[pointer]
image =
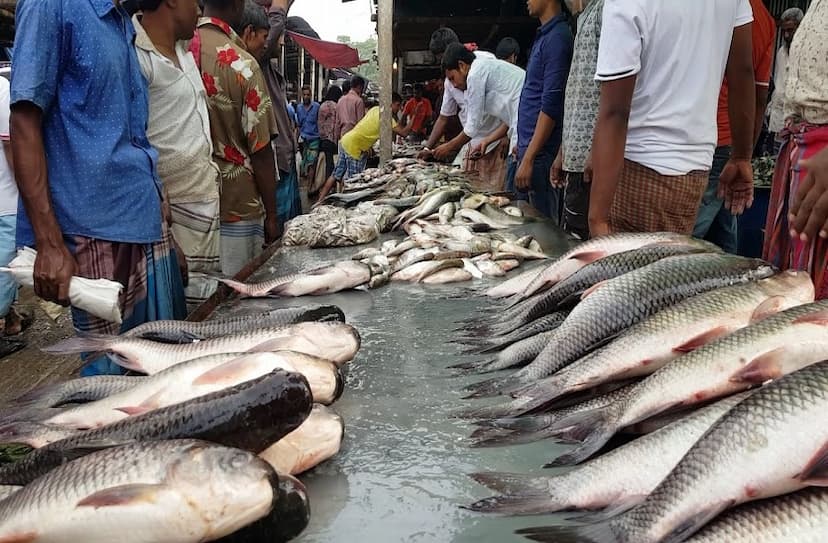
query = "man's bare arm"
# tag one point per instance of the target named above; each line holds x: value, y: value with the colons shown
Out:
x: 264, y: 175
x: 7, y: 150
x: 278, y: 23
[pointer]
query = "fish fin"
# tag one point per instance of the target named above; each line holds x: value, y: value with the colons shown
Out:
x: 817, y: 317
x: 86, y: 343
x: 511, y: 483
x: 702, y: 339
x: 134, y: 410
x: 572, y: 299
x: 276, y: 344
x: 499, y: 437
x: 816, y: 471
x: 121, y: 495
x: 694, y: 523
x: 529, y: 504
x: 769, y: 307
x: 591, y: 290
x: 79, y: 450
x: 761, y: 369
x: 173, y: 338
x: 588, y: 256
x: 485, y: 389
x: 592, y: 429
x: 230, y: 372
x: 593, y: 533
x: 616, y: 508
x: 20, y: 537
x: 241, y: 288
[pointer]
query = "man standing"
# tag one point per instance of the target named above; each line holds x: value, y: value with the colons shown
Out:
x: 86, y: 171
x: 417, y: 112
x: 540, y: 121
x: 10, y: 321
x: 508, y: 49
x: 351, y: 108
x: 788, y: 23
x: 179, y: 129
x: 715, y: 223
x: 308, y: 117
x: 242, y: 126
x: 572, y: 168
x: 656, y: 129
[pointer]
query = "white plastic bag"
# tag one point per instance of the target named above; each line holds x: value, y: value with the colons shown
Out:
x: 98, y: 297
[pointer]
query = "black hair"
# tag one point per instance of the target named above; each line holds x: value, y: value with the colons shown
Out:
x: 441, y: 39
x: 219, y: 4
x: 253, y: 15
x: 395, y: 97
x: 419, y: 87
x: 147, y: 5
x: 357, y: 82
x: 346, y: 86
x: 506, y: 48
x: 306, y: 87
x: 334, y: 94
x: 455, y: 53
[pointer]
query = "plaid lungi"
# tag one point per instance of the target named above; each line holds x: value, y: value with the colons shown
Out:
x: 349, y: 167
x: 491, y: 168
x: 153, y: 289
x: 241, y: 242
x: 800, y: 142
x: 196, y: 229
x: 646, y: 201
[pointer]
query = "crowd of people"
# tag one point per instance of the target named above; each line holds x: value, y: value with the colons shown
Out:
x: 158, y: 148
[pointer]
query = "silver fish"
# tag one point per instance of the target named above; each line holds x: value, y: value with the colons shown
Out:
x: 430, y: 204
x: 516, y: 284
x: 172, y: 492
x: 85, y: 389
x: 450, y: 275
x: 419, y: 271
x: 508, y: 264
x: 446, y: 212
x: 318, y: 439
x: 472, y: 215
x: 341, y: 276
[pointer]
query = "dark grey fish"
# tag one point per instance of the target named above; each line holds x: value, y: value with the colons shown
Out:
x: 517, y: 354
x: 498, y: 343
x: 85, y: 389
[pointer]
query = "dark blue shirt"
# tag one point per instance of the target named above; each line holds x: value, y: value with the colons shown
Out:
x: 545, y: 85
x: 77, y: 63
x: 308, y: 118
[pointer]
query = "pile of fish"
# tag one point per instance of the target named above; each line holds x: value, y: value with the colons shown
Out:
x: 329, y: 226
x: 204, y: 446
x: 714, y: 366
x: 452, y: 237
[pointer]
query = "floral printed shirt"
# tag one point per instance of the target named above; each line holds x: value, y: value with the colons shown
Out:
x: 241, y: 114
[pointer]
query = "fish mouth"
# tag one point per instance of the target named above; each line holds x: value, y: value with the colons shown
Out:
x: 340, y: 384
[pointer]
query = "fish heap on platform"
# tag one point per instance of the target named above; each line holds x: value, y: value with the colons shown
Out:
x: 202, y: 447
x: 713, y: 365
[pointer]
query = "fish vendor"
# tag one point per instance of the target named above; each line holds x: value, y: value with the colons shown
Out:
x: 355, y: 146
x: 308, y: 116
x: 797, y: 225
x: 242, y: 126
x: 179, y: 129
x: 11, y: 323
x: 651, y: 155
x: 91, y: 196
x: 351, y: 107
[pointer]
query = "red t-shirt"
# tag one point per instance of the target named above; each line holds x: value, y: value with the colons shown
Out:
x: 419, y: 111
x: 764, y: 38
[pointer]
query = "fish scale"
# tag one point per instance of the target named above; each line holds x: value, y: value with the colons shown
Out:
x: 626, y: 300
x: 765, y: 446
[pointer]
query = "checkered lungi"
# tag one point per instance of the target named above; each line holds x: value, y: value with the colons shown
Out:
x: 646, y: 201
x: 349, y: 167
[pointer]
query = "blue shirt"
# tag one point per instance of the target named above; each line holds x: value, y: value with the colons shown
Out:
x: 308, y: 119
x: 80, y: 68
x: 545, y: 85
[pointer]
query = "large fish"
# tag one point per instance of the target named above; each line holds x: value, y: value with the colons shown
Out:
x: 84, y: 389
x: 186, y: 331
x: 499, y: 342
x: 627, y: 300
x: 801, y: 517
x: 327, y: 280
x: 616, y: 481
x: 660, y: 339
x: 316, y: 440
x: 515, y: 355
x: 768, y: 349
x: 516, y: 284
x: 771, y: 443
x: 249, y: 416
x: 337, y: 342
x: 182, y: 491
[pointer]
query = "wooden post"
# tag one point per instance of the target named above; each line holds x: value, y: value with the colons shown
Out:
x: 386, y: 74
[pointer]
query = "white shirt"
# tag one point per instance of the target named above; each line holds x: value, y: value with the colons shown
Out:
x: 454, y: 103
x: 777, y: 105
x: 179, y: 122
x: 8, y: 187
x: 493, y: 89
x: 679, y: 50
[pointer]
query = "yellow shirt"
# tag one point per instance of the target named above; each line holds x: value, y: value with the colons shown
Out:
x: 364, y: 135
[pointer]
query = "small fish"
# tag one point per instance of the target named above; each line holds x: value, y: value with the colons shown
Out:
x: 513, y: 211
x: 474, y: 201
x: 451, y: 275
x: 472, y: 215
x: 315, y: 441
x: 490, y: 269
x: 366, y: 253
x: 446, y: 212
x: 341, y: 276
x: 508, y: 264
x: 419, y: 271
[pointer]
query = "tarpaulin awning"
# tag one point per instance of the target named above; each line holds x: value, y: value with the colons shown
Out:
x: 328, y: 54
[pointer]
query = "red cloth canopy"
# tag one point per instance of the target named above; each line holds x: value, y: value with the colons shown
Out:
x: 328, y: 54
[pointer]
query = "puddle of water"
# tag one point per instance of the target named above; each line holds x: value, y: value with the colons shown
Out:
x: 402, y: 473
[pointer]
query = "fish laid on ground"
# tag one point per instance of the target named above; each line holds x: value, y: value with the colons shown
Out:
x: 516, y: 284
x: 446, y: 212
x: 615, y: 481
x: 472, y: 215
x: 627, y: 300
x: 654, y: 342
x: 249, y: 416
x: 337, y: 342
x: 508, y: 264
x: 429, y: 204
x: 84, y: 389
x: 419, y: 271
x: 771, y: 443
x: 801, y: 517
x: 499, y: 342
x: 316, y: 440
x: 769, y: 349
x: 501, y: 217
x: 198, y: 377
x: 327, y: 280
x: 511, y: 251
x: 182, y: 491
x: 186, y: 331
x: 517, y: 354
x: 447, y: 276
x: 592, y: 250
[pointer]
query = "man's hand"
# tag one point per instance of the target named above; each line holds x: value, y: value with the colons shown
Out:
x: 588, y: 168
x: 809, y: 213
x: 556, y: 174
x: 598, y: 227
x: 272, y: 230
x: 182, y: 262
x: 736, y: 185
x: 523, y: 178
x: 53, y: 270
x: 426, y: 154
x: 443, y: 152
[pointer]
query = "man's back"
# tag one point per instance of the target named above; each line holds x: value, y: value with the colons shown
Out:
x: 349, y: 111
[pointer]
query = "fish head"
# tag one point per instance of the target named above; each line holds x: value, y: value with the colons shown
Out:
x: 229, y: 488
x: 796, y: 286
x: 291, y: 510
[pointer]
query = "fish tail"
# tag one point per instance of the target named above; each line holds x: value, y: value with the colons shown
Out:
x: 488, y: 388
x: 594, y: 533
x: 242, y: 288
x: 85, y: 343
x: 515, y: 505
x: 511, y: 483
x: 592, y: 429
